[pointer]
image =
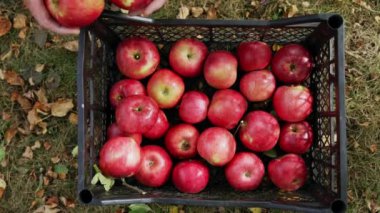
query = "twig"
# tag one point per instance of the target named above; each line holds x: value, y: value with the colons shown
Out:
x: 133, y: 187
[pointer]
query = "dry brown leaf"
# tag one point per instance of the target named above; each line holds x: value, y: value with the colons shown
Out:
x: 29, y: 95
x: 25, y: 103
x: 42, y: 109
x: 211, y: 13
x: 34, y: 204
x: 61, y: 107
x: 12, y: 78
x: 37, y: 145
x: 51, y: 174
x: 373, y: 148
x: 56, y: 38
x: 3, y: 186
x: 28, y: 153
x: 372, y: 206
x: 10, y: 134
x: 67, y: 202
x: 22, y: 33
x: 5, y: 116
x: 46, y: 181
x: 305, y: 4
x: 24, y: 131
x: 39, y: 67
x: 19, y: 21
x: 377, y: 19
x: 197, y: 11
x: 41, y: 96
x: 6, y: 55
x: 33, y: 118
x: 52, y: 201
x: 47, y: 146
x: 40, y: 193
x: 292, y: 10
x: 42, y: 128
x: 62, y: 176
x: 73, y: 118
x: 15, y: 49
x: 72, y: 46
x: 46, y: 209
x: 5, y: 25
x: 183, y: 12
x: 55, y: 159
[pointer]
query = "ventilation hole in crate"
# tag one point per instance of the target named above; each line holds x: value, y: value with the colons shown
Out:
x: 335, y: 21
x: 85, y: 196
x: 338, y: 206
x: 332, y: 97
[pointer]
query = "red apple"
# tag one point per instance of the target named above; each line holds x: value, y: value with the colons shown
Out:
x: 187, y: 56
x: 132, y: 5
x: 114, y: 131
x: 159, y: 128
x: 292, y: 64
x: 136, y: 114
x: 181, y: 141
x: 155, y: 166
x: 288, y: 172
x: 166, y: 88
x: 193, y: 107
x: 260, y: 131
x: 296, y: 138
x: 245, y: 171
x: 120, y: 157
x: 253, y: 55
x: 137, y: 57
x: 220, y: 69
x: 293, y: 103
x: 190, y: 176
x: 125, y: 88
x: 216, y: 145
x: 258, y: 85
x: 227, y: 108
x: 75, y: 13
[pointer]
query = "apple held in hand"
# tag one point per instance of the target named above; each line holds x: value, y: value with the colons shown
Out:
x: 125, y: 88
x: 159, y: 128
x: 227, y: 108
x: 296, y: 138
x: 220, y: 69
x: 187, y: 56
x: 288, y: 172
x: 75, y: 13
x: 292, y: 64
x: 260, y: 131
x: 216, y: 145
x: 155, y: 166
x: 258, y: 85
x: 181, y: 141
x: 193, y: 107
x: 166, y: 88
x: 293, y: 103
x: 114, y: 131
x: 190, y: 176
x: 253, y: 55
x: 137, y: 57
x: 132, y: 5
x: 120, y: 157
x: 136, y: 114
x: 245, y: 171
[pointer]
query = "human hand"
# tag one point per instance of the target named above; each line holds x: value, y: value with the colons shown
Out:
x: 38, y: 10
x: 151, y: 8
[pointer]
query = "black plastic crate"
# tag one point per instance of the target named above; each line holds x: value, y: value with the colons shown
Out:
x: 322, y: 34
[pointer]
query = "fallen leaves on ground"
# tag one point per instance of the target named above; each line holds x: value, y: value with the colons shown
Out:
x: 10, y: 134
x: 73, y: 118
x: 5, y: 116
x: 373, y: 148
x: 211, y: 12
x: 39, y: 67
x: 71, y: 46
x: 55, y: 159
x: 47, y: 146
x: 22, y: 33
x: 33, y: 118
x: 61, y: 107
x: 197, y: 11
x: 292, y: 10
x: 67, y: 202
x: 28, y: 153
x: 19, y: 21
x: 183, y: 12
x: 40, y: 193
x: 5, y: 25
x: 12, y: 78
x: 3, y: 186
x: 372, y: 206
x: 37, y: 145
x: 61, y: 170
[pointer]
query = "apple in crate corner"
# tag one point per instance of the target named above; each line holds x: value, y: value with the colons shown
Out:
x: 193, y: 107
x: 137, y: 57
x: 136, y: 114
x: 226, y: 109
x: 293, y: 103
x: 114, y: 131
x: 120, y: 157
x: 288, y: 172
x: 190, y: 176
x: 166, y: 88
x: 260, y: 131
x: 187, y: 56
x: 245, y: 171
x: 75, y: 13
x: 181, y: 141
x: 292, y: 64
x: 296, y: 138
x: 253, y: 55
x: 217, y: 146
x: 125, y: 88
x: 159, y: 128
x: 155, y: 166
x: 258, y: 85
x: 220, y: 69
x: 132, y: 5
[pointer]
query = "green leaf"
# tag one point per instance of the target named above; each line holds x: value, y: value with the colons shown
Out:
x: 109, y: 185
x: 95, y: 179
x: 2, y: 153
x: 271, y: 153
x: 74, y: 152
x: 139, y: 208
x: 61, y: 169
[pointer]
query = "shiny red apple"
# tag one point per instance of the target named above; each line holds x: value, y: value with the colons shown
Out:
x: 181, y: 141
x: 125, y: 88
x: 193, y: 107
x: 220, y: 69
x: 296, y: 138
x: 258, y: 85
x: 253, y: 55
x: 159, y: 128
x: 190, y: 176
x: 114, y: 131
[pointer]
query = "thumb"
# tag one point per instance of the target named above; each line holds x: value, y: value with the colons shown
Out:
x: 152, y: 7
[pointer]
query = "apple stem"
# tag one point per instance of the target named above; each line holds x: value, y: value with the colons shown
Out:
x: 238, y: 127
x: 134, y: 188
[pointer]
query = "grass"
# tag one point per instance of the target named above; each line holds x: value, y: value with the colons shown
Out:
x: 362, y: 101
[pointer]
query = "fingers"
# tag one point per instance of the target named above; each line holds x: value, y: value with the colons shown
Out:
x: 39, y: 12
x: 152, y: 7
